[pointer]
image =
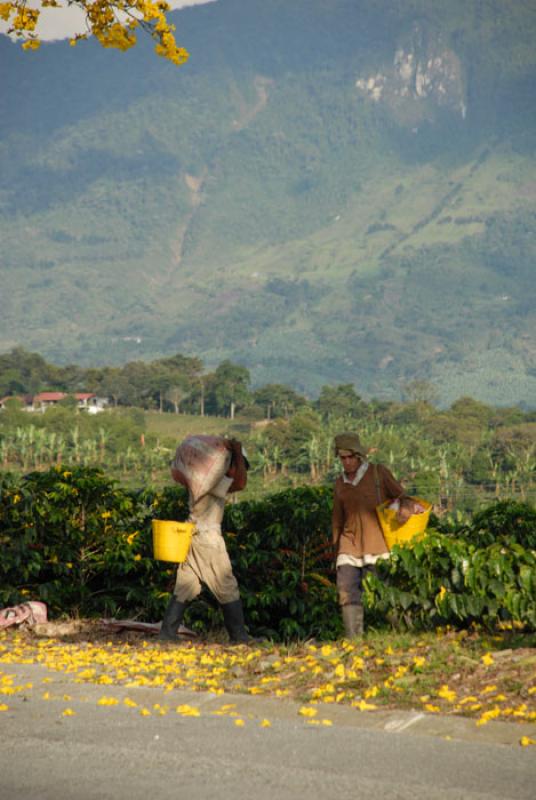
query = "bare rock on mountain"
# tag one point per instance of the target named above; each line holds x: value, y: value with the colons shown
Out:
x: 425, y: 76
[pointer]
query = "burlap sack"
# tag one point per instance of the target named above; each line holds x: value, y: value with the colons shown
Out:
x: 202, y: 461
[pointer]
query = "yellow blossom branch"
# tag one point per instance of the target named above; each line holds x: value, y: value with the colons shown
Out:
x: 112, y: 22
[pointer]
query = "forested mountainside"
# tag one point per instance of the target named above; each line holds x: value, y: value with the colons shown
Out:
x: 329, y: 191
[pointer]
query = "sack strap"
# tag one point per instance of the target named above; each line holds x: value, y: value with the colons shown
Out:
x: 377, y: 484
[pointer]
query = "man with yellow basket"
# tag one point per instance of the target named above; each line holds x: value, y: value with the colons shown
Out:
x: 357, y: 534
x: 210, y: 468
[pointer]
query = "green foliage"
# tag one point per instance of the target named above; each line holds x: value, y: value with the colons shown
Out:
x: 506, y: 520
x: 282, y: 554
x: 73, y: 538
x: 448, y: 580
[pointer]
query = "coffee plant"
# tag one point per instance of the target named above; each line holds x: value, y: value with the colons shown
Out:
x: 77, y: 540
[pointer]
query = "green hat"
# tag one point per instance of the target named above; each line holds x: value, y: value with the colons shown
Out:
x: 351, y: 442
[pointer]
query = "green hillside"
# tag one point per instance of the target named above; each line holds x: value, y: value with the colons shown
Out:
x: 327, y: 192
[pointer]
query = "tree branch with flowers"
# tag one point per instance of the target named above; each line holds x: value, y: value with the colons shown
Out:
x: 114, y: 23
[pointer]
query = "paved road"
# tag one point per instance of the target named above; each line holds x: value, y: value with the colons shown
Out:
x: 113, y: 752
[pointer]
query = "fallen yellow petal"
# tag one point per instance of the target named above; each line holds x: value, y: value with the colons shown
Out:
x: 307, y: 711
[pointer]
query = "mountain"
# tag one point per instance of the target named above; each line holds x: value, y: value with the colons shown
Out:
x: 329, y: 191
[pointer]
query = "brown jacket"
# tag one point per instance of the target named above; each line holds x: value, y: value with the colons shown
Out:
x: 355, y: 525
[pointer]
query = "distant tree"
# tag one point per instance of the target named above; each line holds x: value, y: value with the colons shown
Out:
x: 176, y: 394
x: 420, y: 391
x: 302, y: 428
x: 21, y: 371
x: 174, y: 378
x: 340, y: 401
x: 113, y: 383
x: 228, y: 388
x: 277, y: 400
x: 112, y: 22
x: 467, y: 408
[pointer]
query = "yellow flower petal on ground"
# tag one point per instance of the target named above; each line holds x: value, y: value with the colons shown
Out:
x: 431, y: 708
x: 307, y: 711
x: 469, y: 699
x: 326, y: 722
x: 362, y: 705
x: 372, y: 692
x: 525, y: 741
x: 130, y: 703
x: 188, y: 711
x: 107, y: 701
x: 266, y: 723
x: 68, y: 712
x: 239, y: 723
x: 145, y: 712
x: 3, y: 707
x: 446, y: 693
x: 487, y: 659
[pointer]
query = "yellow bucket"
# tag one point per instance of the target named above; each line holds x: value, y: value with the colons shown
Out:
x: 171, y: 540
x: 396, y: 533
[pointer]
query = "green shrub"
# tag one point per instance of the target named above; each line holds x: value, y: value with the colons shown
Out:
x: 446, y: 580
x: 73, y: 538
x: 505, y: 519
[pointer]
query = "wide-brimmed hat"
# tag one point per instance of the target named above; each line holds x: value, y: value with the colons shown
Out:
x: 350, y: 442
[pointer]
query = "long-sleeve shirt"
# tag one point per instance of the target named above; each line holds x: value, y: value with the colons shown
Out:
x: 355, y: 525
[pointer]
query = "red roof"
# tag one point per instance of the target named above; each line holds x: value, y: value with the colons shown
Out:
x: 51, y: 397
x: 44, y: 397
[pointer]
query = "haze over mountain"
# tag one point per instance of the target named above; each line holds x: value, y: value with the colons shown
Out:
x: 330, y: 191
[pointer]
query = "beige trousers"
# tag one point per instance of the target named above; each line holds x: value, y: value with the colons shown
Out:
x: 208, y: 563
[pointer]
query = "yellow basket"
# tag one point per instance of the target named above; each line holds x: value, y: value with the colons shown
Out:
x: 171, y: 540
x: 396, y: 533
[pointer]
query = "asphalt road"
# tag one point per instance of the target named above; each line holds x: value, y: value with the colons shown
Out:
x: 113, y: 752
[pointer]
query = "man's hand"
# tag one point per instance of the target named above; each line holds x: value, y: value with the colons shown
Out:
x: 234, y: 446
x: 237, y: 469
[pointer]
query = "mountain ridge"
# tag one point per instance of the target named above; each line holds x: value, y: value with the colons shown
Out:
x: 264, y: 203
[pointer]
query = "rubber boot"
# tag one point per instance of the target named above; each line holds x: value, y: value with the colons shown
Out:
x: 233, y: 617
x: 172, y: 619
x: 353, y: 619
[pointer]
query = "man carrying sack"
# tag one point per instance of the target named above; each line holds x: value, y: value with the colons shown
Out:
x: 357, y: 534
x: 210, y: 468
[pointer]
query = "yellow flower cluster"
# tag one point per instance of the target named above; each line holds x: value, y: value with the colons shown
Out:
x: 112, y: 22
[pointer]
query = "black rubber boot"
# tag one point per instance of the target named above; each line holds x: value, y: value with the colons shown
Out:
x: 172, y: 619
x: 353, y: 619
x: 233, y: 617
